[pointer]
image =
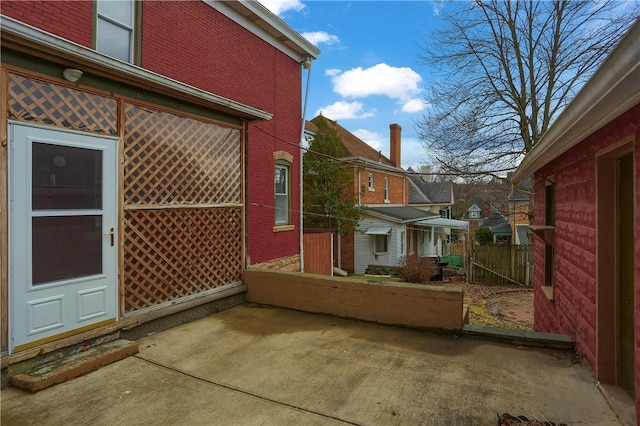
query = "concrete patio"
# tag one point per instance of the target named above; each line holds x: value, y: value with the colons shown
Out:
x: 254, y: 364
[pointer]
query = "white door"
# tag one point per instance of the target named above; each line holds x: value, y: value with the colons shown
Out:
x: 62, y: 233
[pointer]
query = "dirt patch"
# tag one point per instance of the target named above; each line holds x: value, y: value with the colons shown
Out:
x: 517, y: 307
x: 498, y: 305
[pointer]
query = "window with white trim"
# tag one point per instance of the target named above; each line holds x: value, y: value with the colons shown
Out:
x: 115, y: 23
x: 381, y: 243
x: 371, y: 188
x: 402, y: 242
x: 282, y: 189
x: 386, y: 189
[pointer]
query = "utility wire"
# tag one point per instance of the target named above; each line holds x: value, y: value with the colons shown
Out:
x: 383, y: 167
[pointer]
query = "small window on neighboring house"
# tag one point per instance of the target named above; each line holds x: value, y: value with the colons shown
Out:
x: 386, y: 189
x: 411, y: 233
x: 474, y: 214
x: 550, y: 220
x: 381, y: 244
x: 371, y: 188
x: 282, y: 199
x: 115, y: 28
x: 402, y: 243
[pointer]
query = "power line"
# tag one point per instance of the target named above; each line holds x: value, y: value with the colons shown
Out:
x: 382, y: 167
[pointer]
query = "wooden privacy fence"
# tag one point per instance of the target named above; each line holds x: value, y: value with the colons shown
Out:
x: 318, y: 251
x: 502, y: 264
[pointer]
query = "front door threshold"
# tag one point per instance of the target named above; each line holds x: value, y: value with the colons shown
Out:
x: 72, y: 366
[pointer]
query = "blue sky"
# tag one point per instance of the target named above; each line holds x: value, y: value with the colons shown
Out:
x: 369, y: 73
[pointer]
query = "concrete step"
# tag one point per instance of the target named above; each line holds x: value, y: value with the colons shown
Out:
x: 519, y: 337
x: 69, y: 367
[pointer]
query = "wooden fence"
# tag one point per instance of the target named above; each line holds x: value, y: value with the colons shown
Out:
x: 502, y: 264
x: 318, y: 251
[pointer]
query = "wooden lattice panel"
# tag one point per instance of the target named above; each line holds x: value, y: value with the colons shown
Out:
x: 176, y: 160
x: 173, y: 253
x: 42, y: 102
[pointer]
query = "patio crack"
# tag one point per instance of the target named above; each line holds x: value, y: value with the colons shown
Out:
x: 247, y: 392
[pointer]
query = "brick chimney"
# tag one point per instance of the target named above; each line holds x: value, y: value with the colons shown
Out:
x: 394, y: 149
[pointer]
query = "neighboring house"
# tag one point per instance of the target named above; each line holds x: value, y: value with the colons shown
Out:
x: 392, y: 228
x: 499, y: 226
x: 586, y: 173
x: 138, y: 159
x: 474, y: 212
x: 435, y: 197
x: 519, y: 215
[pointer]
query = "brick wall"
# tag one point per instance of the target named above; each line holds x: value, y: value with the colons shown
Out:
x: 193, y: 43
x: 397, y: 188
x: 573, y: 310
x: 68, y: 19
x: 347, y: 247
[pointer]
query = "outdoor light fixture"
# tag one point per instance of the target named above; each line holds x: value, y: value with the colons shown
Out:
x: 72, y: 74
x: 306, y: 64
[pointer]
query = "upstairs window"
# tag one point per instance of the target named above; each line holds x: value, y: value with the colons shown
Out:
x: 386, y: 189
x: 115, y: 22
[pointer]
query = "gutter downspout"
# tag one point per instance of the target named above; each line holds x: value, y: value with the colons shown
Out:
x: 308, y: 60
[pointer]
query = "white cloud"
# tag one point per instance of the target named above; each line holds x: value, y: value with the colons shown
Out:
x: 342, y: 110
x: 332, y: 71
x: 319, y: 37
x: 414, y: 105
x: 278, y: 7
x: 373, y: 139
x: 437, y: 7
x: 402, y: 84
x: 413, y: 153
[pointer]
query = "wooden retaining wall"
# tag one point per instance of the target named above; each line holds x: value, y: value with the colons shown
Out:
x: 413, y: 305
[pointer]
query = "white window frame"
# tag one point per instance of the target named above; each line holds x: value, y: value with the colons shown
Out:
x: 130, y: 27
x: 377, y: 238
x: 402, y: 242
x: 386, y: 189
x: 287, y: 173
x: 411, y: 236
x: 371, y: 186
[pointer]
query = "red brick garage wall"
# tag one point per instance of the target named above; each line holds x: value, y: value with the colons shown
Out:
x: 573, y: 310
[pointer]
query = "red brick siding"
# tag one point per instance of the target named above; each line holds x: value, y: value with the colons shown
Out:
x: 193, y: 43
x: 397, y: 188
x: 69, y: 19
x: 219, y: 56
x: 637, y: 266
x: 347, y: 248
x: 573, y: 310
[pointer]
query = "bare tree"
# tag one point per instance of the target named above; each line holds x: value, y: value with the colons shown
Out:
x: 506, y: 69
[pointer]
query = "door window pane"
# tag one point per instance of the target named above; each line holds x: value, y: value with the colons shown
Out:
x: 66, y: 247
x: 65, y: 177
